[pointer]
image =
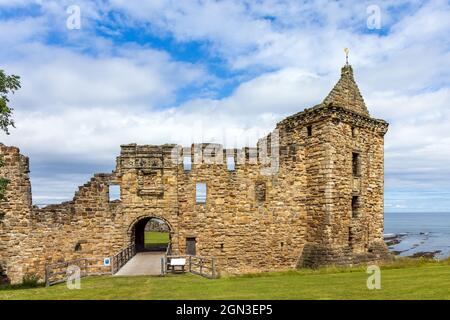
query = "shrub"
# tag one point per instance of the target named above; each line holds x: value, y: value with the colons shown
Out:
x: 30, y: 280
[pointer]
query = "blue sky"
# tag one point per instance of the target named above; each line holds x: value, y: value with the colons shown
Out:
x: 223, y: 71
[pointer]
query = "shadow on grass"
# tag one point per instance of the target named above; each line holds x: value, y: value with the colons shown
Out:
x: 21, y: 286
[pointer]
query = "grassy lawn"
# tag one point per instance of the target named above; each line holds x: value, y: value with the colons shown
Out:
x: 401, y: 280
x: 153, y: 237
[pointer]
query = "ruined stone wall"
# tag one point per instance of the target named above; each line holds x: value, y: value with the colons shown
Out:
x: 281, y: 207
x: 244, y: 234
x: 31, y: 237
x: 88, y: 220
x: 304, y: 218
x: 15, y: 209
x: 89, y: 226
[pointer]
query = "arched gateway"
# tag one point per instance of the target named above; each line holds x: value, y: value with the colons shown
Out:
x: 150, y: 233
x: 310, y: 194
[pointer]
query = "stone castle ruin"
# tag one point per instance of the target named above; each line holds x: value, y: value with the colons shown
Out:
x: 310, y: 194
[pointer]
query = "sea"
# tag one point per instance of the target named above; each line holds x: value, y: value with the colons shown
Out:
x: 419, y: 232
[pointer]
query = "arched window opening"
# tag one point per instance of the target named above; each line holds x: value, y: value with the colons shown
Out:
x: 78, y: 247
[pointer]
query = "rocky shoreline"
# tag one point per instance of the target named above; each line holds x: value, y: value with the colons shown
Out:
x: 393, y: 239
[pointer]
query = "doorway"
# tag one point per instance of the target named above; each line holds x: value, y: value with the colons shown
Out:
x: 151, y: 234
x: 191, y: 246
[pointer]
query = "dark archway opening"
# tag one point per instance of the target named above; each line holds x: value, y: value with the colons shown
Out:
x: 151, y: 234
x: 3, y: 277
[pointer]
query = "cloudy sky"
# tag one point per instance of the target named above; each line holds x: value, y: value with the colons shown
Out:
x: 159, y: 71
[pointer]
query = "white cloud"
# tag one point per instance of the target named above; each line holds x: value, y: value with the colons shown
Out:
x: 135, y: 78
x: 19, y: 31
x: 85, y: 96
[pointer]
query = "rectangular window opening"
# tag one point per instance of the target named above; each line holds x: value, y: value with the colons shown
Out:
x: 230, y: 163
x: 350, y: 237
x: 260, y: 192
x: 187, y: 163
x: 355, y: 206
x: 191, y: 246
x: 200, y: 192
x: 309, y: 130
x: 355, y: 164
x: 114, y: 192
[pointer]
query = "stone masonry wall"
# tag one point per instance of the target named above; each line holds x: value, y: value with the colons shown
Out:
x: 289, y: 202
x: 15, y: 209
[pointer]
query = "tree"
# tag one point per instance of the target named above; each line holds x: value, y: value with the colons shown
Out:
x: 8, y: 84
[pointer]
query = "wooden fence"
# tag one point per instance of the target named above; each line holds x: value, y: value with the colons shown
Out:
x: 202, y: 266
x: 58, y: 272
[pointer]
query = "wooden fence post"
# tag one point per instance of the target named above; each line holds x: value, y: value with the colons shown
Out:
x: 162, y: 266
x: 47, y: 275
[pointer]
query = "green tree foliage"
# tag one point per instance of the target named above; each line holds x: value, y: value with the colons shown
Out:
x: 8, y: 84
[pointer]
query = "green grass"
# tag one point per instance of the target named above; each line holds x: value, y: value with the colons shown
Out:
x: 405, y: 279
x: 153, y: 237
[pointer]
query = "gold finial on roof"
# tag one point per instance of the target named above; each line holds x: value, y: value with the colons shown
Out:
x: 346, y: 55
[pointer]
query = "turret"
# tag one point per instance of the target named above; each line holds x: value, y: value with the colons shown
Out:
x: 344, y: 158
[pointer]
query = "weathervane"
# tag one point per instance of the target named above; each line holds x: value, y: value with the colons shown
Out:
x: 346, y: 55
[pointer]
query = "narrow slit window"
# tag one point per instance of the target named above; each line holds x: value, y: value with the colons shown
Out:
x: 350, y: 237
x: 355, y: 164
x: 77, y: 247
x: 309, y: 130
x: 200, y: 192
x: 114, y: 192
x: 230, y: 163
x: 187, y: 163
x: 355, y: 206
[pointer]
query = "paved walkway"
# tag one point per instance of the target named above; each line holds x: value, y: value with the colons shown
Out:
x: 143, y: 263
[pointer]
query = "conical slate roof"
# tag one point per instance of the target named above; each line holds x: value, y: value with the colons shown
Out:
x: 346, y: 93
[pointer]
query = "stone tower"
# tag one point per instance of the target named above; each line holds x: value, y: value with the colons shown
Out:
x: 344, y: 155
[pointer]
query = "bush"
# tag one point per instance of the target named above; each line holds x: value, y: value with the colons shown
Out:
x: 30, y: 280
